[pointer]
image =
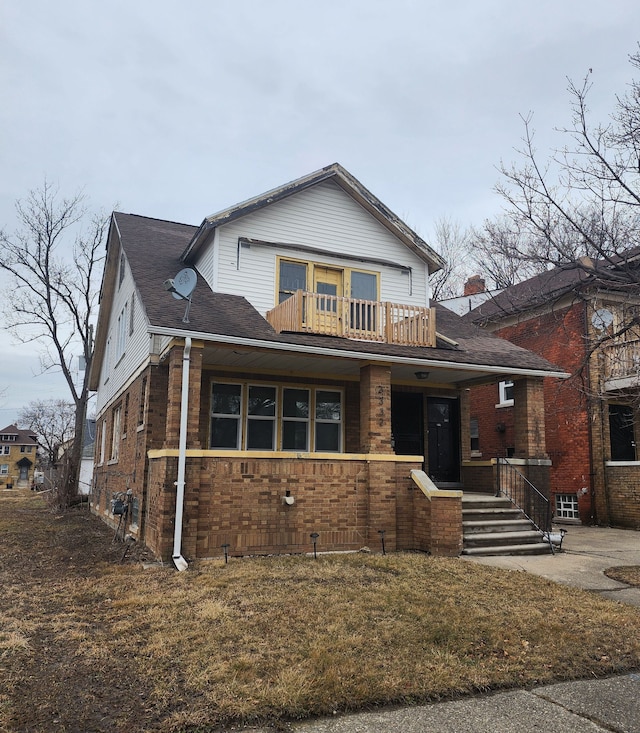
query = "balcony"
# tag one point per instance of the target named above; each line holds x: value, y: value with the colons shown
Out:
x: 622, y: 364
x: 365, y: 320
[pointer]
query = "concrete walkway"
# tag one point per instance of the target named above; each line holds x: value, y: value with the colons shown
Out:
x: 586, y: 553
x: 584, y: 706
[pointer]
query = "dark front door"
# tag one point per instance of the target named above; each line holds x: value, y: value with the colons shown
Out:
x: 407, y: 423
x: 443, y: 422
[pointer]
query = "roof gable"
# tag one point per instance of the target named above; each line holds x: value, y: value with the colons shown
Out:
x: 347, y: 183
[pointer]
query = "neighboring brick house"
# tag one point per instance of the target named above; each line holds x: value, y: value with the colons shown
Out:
x: 296, y: 392
x: 18, y: 450
x: 570, y: 315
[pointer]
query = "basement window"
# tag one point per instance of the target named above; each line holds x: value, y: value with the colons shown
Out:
x: 567, y: 506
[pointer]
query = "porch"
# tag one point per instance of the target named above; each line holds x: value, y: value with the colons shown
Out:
x: 268, y: 501
x: 622, y: 364
x: 367, y: 320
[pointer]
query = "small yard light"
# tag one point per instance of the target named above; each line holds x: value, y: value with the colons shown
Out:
x: 314, y: 539
x: 381, y: 533
x: 225, y: 547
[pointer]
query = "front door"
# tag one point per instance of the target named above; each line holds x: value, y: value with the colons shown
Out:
x: 407, y: 423
x: 443, y: 422
x: 327, y: 313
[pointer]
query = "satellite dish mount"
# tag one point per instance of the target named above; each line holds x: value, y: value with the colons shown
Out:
x: 181, y: 287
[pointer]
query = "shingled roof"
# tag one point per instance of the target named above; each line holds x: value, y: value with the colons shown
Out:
x: 153, y: 248
x: 619, y: 274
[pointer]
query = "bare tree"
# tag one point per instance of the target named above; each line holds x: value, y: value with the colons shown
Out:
x: 53, y: 422
x: 451, y: 241
x: 584, y: 199
x: 53, y: 260
x: 493, y: 246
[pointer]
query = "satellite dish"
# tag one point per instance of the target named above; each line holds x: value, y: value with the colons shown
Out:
x: 181, y: 287
x: 184, y: 284
x: 602, y: 319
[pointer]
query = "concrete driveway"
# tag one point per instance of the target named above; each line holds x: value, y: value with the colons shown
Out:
x: 586, y: 553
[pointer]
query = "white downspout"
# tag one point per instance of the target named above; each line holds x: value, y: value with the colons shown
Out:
x: 178, y: 560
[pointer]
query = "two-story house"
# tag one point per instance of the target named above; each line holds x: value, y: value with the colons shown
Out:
x: 18, y: 450
x: 583, y: 317
x: 279, y: 371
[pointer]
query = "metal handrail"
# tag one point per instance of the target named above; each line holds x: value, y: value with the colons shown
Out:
x: 513, y: 484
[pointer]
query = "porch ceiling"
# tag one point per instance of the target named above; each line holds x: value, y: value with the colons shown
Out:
x: 243, y: 359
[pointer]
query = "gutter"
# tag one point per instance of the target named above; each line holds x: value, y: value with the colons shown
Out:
x: 178, y: 560
x: 340, y: 354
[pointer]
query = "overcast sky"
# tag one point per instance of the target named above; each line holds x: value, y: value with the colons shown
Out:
x: 177, y: 110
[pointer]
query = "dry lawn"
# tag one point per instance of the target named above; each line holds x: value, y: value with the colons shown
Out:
x: 629, y: 574
x: 90, y: 644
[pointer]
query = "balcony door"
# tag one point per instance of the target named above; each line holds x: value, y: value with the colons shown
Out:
x: 363, y: 315
x: 327, y: 312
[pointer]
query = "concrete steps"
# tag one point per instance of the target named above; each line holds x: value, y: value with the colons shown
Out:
x: 493, y: 526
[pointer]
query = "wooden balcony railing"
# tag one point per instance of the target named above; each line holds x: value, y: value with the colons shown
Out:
x: 622, y: 359
x: 367, y: 320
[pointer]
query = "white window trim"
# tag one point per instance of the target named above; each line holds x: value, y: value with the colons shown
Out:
x: 115, y: 434
x: 502, y: 390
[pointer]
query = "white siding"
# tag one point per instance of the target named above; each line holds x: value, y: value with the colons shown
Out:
x: 118, y: 370
x: 323, y: 217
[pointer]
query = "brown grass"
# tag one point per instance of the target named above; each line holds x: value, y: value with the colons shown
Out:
x: 629, y: 574
x: 98, y: 645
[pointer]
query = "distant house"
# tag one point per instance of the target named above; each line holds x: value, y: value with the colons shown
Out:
x: 570, y: 315
x: 293, y: 393
x: 18, y: 449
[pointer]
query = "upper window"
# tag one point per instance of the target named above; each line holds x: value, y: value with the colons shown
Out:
x: 121, y: 271
x: 293, y: 276
x: 5, y: 449
x: 505, y: 393
x: 132, y: 314
x: 121, y: 334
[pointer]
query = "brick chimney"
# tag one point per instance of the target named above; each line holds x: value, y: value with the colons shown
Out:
x: 475, y: 284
